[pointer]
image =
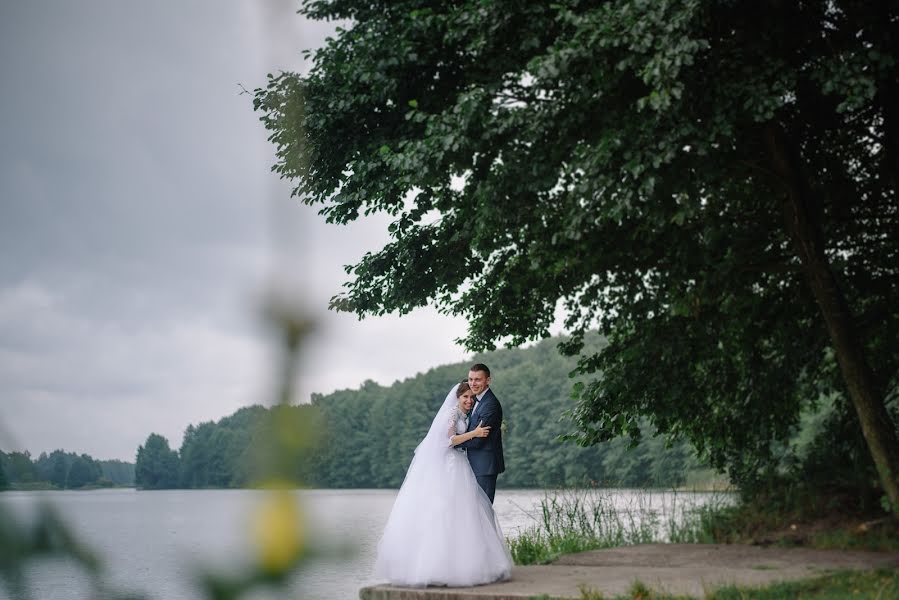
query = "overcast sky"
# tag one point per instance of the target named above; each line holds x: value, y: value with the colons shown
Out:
x: 140, y: 226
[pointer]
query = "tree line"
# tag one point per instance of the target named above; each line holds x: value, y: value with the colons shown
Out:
x: 372, y: 433
x: 62, y: 470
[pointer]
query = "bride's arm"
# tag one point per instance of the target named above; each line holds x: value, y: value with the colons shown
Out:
x: 493, y: 416
x: 479, y: 431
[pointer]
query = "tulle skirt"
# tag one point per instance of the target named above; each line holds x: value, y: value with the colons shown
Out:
x: 442, y: 529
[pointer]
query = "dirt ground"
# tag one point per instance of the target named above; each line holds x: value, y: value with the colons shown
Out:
x: 686, y: 569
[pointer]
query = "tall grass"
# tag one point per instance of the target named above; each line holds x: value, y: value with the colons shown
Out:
x: 576, y: 520
x: 699, y: 523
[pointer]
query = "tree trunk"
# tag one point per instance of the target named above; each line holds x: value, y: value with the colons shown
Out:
x: 803, y: 224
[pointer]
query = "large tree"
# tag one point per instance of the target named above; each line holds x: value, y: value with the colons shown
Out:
x: 83, y: 471
x: 18, y: 467
x: 710, y: 183
x: 157, y: 465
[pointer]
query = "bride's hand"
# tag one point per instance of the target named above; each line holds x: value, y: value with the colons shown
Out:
x: 481, y: 431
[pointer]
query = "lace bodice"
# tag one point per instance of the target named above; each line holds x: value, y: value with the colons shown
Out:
x: 462, y: 425
x: 458, y: 423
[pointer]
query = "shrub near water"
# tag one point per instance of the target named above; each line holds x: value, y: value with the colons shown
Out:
x: 579, y: 520
x: 575, y: 521
x: 569, y: 522
x: 706, y: 523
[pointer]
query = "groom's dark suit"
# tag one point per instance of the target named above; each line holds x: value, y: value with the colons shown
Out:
x: 486, y: 454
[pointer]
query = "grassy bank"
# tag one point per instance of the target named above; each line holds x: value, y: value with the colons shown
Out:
x: 572, y: 521
x: 762, y: 525
x: 590, y: 519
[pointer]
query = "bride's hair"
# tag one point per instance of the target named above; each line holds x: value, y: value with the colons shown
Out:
x: 463, y: 387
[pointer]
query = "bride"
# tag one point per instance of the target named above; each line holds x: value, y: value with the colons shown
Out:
x: 442, y: 529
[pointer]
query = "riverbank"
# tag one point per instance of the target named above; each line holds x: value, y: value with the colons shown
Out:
x: 572, y: 521
x: 691, y: 570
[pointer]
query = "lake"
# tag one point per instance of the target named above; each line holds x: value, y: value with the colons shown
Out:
x: 154, y: 541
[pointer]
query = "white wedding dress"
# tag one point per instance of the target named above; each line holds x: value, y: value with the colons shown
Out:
x: 442, y: 529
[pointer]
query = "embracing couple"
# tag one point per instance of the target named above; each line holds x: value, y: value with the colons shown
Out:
x: 442, y: 529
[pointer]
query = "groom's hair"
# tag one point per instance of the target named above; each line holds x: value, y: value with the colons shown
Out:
x: 480, y: 367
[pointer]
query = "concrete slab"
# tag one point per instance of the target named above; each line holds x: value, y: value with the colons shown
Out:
x: 681, y: 569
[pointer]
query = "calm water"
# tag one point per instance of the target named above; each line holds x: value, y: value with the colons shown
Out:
x: 152, y: 542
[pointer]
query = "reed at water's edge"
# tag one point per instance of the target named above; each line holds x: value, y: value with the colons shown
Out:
x: 576, y: 520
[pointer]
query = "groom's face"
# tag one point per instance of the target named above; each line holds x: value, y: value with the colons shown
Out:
x: 478, y: 381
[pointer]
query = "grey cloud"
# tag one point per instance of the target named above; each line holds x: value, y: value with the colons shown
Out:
x: 140, y: 225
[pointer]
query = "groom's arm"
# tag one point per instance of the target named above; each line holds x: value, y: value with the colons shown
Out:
x: 491, y: 417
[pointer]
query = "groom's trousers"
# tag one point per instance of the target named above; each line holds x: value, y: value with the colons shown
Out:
x: 488, y: 484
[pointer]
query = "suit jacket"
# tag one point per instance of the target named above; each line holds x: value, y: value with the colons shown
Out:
x: 486, y: 454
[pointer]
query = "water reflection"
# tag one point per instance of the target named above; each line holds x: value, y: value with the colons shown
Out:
x: 154, y: 542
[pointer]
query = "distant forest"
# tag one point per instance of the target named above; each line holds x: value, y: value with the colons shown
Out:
x: 373, y: 431
x: 62, y: 470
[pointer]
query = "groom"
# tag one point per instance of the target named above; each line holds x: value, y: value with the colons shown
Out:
x: 485, y: 454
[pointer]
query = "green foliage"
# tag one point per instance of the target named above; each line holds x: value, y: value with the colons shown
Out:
x: 216, y: 454
x: 56, y: 467
x: 834, y: 465
x: 580, y: 520
x: 63, y: 470
x: 882, y: 537
x: 118, y: 472
x: 157, y: 465
x: 873, y: 585
x: 83, y: 471
x: 616, y: 160
x: 57, y: 470
x: 708, y: 523
x: 18, y: 467
x: 574, y: 520
x: 362, y: 448
x: 823, y: 467
x: 790, y: 517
